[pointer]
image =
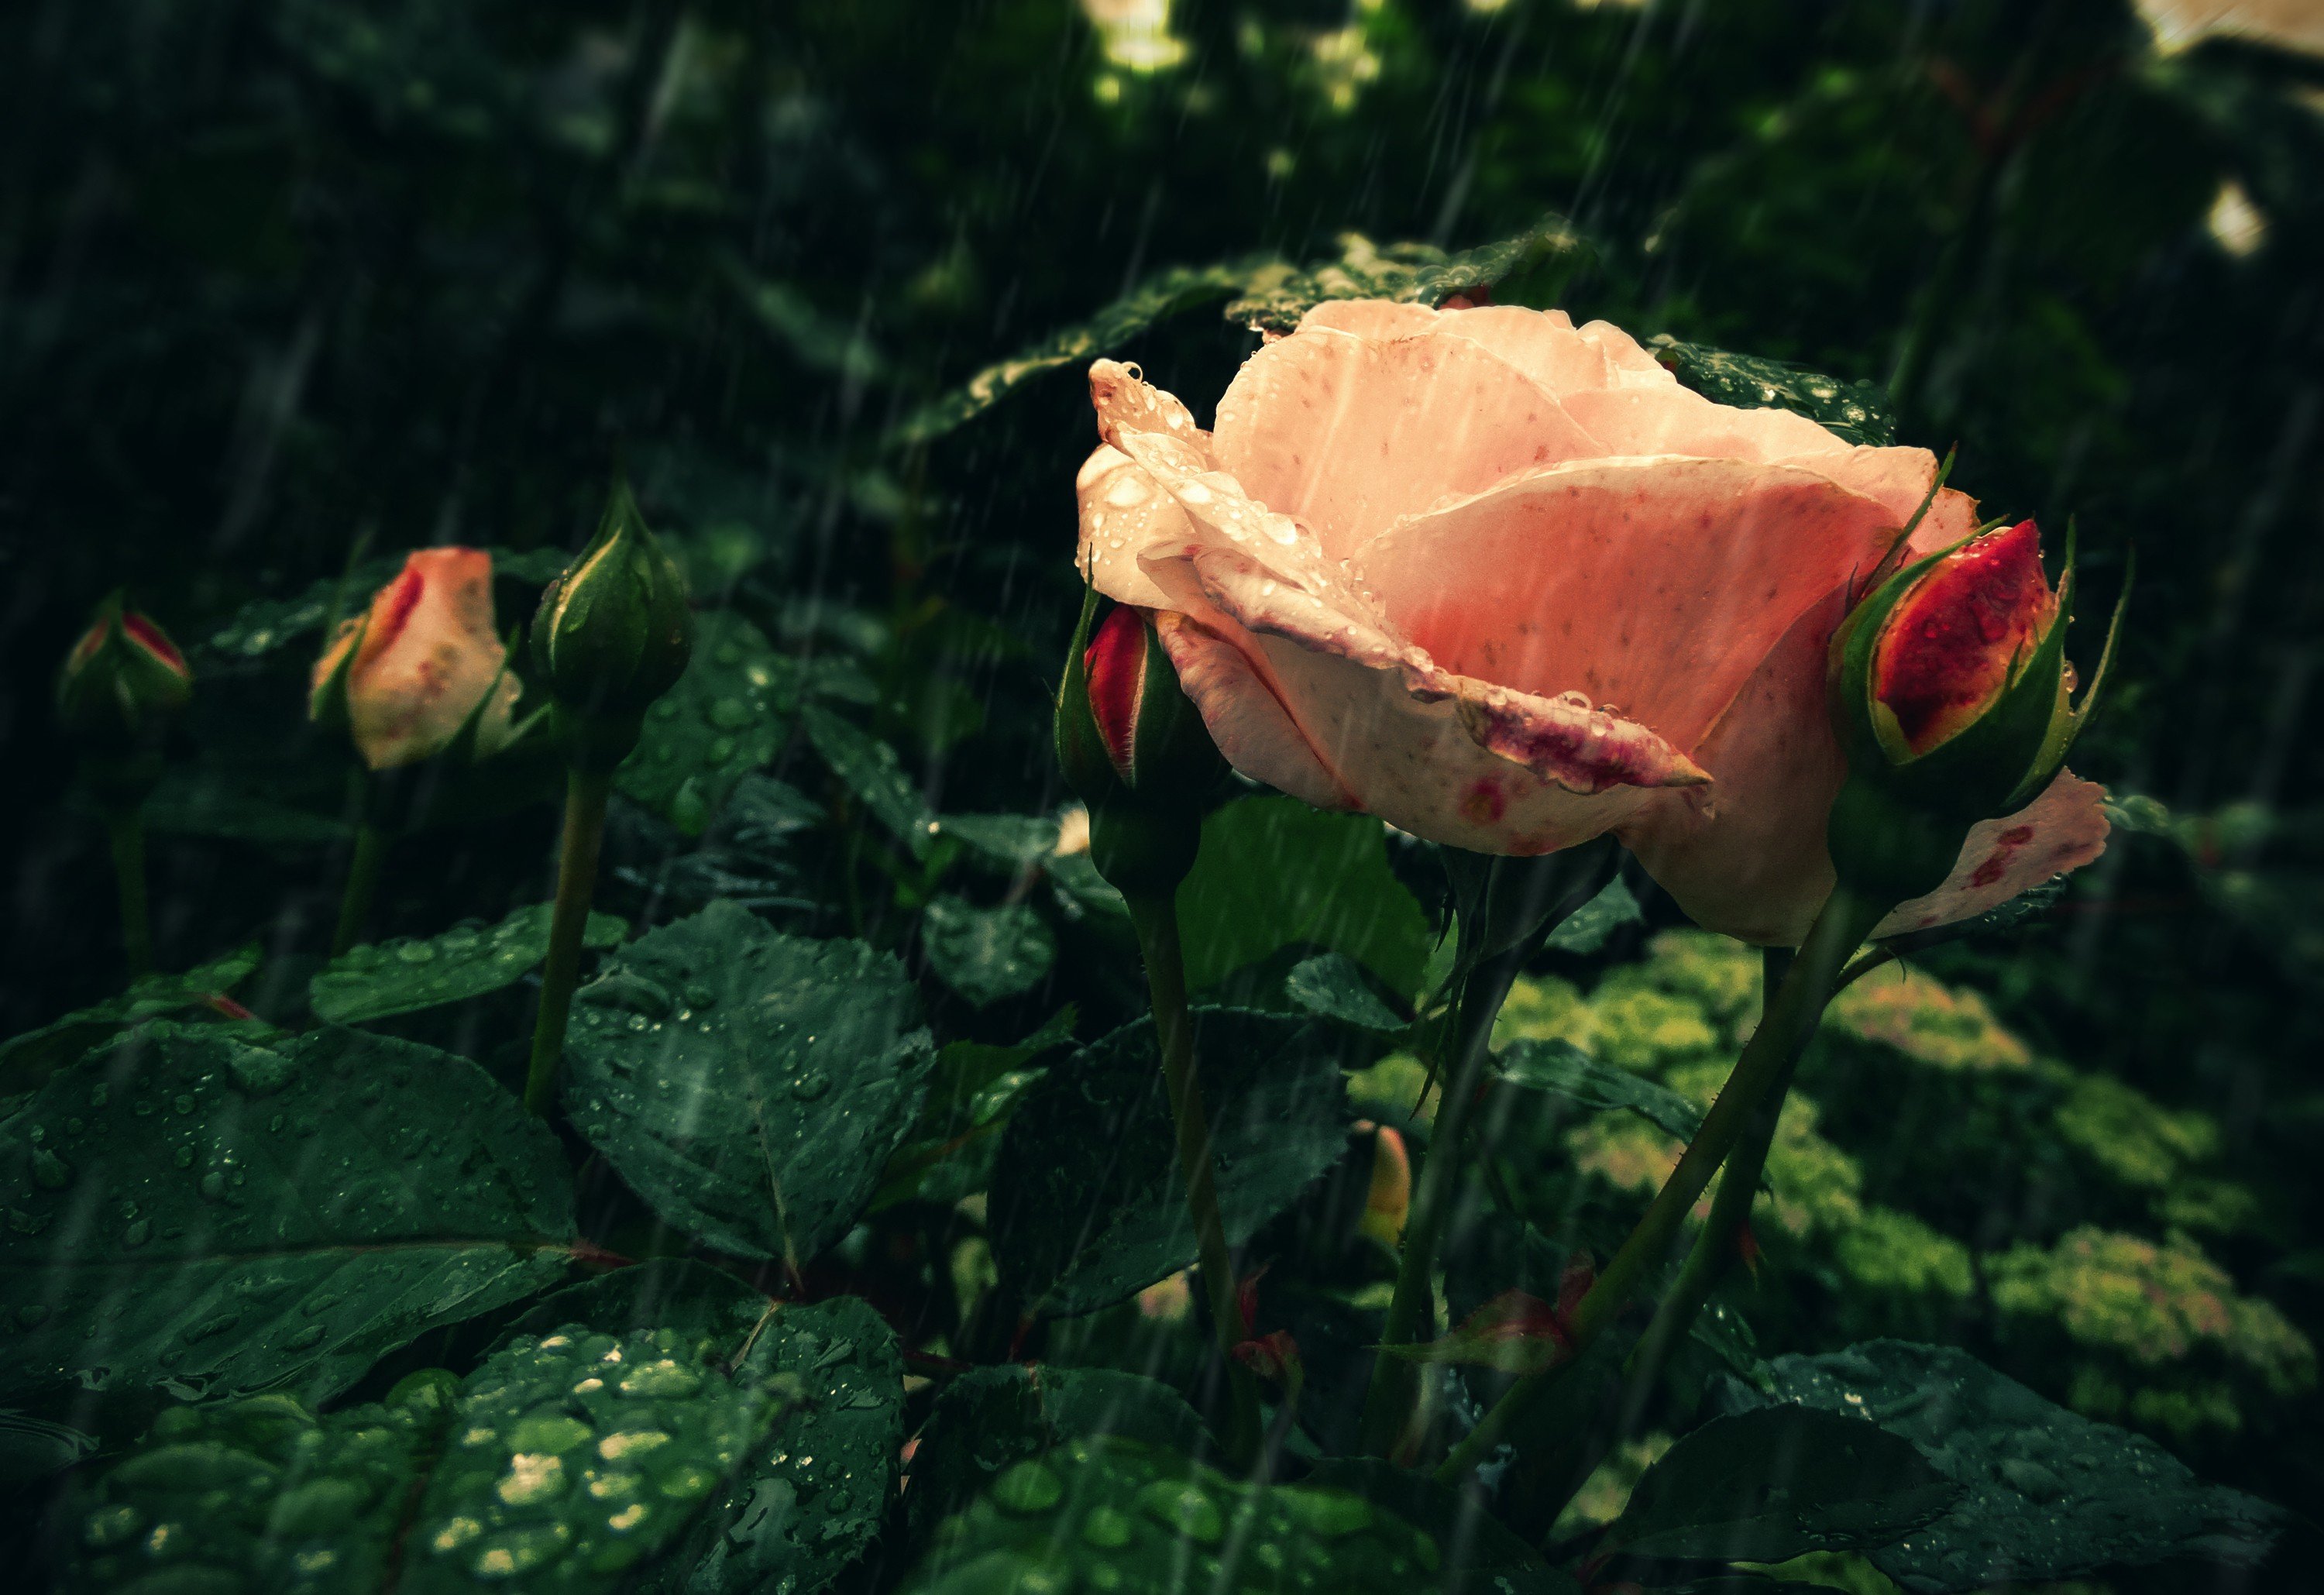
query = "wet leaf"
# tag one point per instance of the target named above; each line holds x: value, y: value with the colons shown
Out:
x: 714, y: 1311
x: 1480, y: 1553
x: 726, y: 717
x: 27, y: 1060
x: 1332, y: 984
x: 1278, y: 295
x: 2044, y: 1492
x: 1116, y: 1515
x: 811, y: 1495
x: 1164, y: 294
x: 1857, y: 410
x: 748, y: 1084
x: 1589, y: 928
x: 869, y: 769
x: 989, y: 1418
x: 1274, y: 874
x: 975, y: 1087
x: 383, y: 978
x: 1086, y: 1205
x: 986, y: 955
x: 192, y: 1212
x: 562, y: 1463
x: 1563, y: 1069
x: 1006, y: 842
x: 1780, y: 1483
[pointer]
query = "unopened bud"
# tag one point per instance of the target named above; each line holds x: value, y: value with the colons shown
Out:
x: 421, y: 667
x: 613, y: 634
x: 1951, y: 698
x: 121, y: 680
x: 1134, y: 747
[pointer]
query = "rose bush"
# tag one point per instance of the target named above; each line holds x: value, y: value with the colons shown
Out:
x: 1503, y: 582
x: 409, y: 670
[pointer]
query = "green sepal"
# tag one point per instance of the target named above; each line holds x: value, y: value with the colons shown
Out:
x: 116, y: 693
x: 1887, y: 849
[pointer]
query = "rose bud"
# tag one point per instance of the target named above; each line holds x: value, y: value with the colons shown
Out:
x: 1388, y: 1200
x: 121, y: 679
x: 612, y: 632
x: 1134, y: 748
x: 1952, y: 698
x: 421, y: 667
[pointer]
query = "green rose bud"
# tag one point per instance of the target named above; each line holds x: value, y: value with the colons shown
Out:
x: 122, y: 680
x: 613, y: 634
x: 1135, y: 749
x: 1952, y: 698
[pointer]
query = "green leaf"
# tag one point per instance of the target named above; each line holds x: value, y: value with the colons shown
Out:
x: 1332, y: 984
x: 1278, y: 295
x: 1589, y: 928
x: 2044, y: 1492
x: 715, y: 1311
x: 559, y: 1464
x: 1005, y: 841
x: 989, y: 1418
x: 1780, y: 1483
x: 869, y: 769
x: 1274, y: 872
x: 31, y: 1447
x: 747, y: 1084
x: 986, y: 954
x: 811, y: 1498
x: 975, y: 1087
x: 1481, y: 1554
x: 379, y: 979
x: 27, y: 1060
x: 1130, y: 1519
x: 190, y: 1211
x: 1087, y: 1204
x: 1563, y: 1069
x: 1161, y: 296
x: 1857, y: 410
x: 726, y: 717
x: 195, y: 801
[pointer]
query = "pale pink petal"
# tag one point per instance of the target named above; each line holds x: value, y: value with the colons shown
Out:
x: 1124, y: 512
x: 1414, y: 762
x: 1564, y: 742
x: 427, y: 655
x: 1951, y: 518
x: 1379, y: 319
x: 1348, y: 435
x: 1746, y: 856
x: 1545, y: 348
x: 1655, y: 585
x: 1230, y: 685
x: 1626, y: 355
x: 2063, y: 829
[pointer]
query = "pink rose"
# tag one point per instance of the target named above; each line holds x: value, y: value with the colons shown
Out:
x: 1505, y: 583
x: 419, y: 661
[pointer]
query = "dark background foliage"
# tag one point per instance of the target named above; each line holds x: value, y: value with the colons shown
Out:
x: 287, y: 282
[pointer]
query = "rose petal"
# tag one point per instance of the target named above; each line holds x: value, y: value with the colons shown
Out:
x: 1254, y: 728
x: 427, y: 655
x: 1348, y: 435
x: 1124, y: 512
x: 1660, y: 584
x: 1747, y: 857
x: 2061, y: 830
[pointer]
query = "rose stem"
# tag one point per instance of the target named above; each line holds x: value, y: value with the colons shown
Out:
x: 1396, y: 1383
x: 362, y: 863
x: 125, y: 827
x: 1155, y: 917
x: 1714, y: 1248
x: 1784, y: 1030
x: 576, y: 882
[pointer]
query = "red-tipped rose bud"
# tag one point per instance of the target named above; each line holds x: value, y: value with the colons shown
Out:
x: 420, y: 666
x: 121, y: 679
x: 1952, y: 695
x: 1135, y: 749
